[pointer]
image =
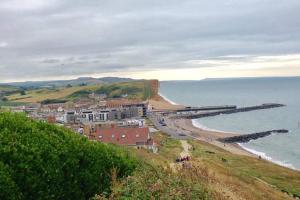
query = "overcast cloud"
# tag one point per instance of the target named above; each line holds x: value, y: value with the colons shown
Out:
x: 48, y: 39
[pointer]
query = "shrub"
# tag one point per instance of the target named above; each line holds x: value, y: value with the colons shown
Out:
x: 50, y: 101
x: 42, y: 161
x: 155, y: 182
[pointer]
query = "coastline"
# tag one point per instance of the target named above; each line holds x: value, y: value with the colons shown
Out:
x: 199, y: 132
x: 186, y: 125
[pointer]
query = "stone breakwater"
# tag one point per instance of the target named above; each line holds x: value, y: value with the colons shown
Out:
x: 231, y: 111
x: 254, y: 136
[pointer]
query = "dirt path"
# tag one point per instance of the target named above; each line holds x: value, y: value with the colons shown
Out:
x: 186, y: 152
x: 186, y: 148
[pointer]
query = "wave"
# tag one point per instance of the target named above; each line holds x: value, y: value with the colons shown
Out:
x: 196, y: 123
x: 266, y: 157
x: 168, y: 100
x: 258, y: 153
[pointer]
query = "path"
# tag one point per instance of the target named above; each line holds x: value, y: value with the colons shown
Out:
x: 186, y: 152
x: 186, y: 147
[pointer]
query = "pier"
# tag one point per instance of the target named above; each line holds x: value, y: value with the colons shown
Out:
x: 253, y: 136
x: 229, y: 111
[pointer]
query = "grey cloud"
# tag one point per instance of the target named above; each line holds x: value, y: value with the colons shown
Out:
x: 50, y: 61
x: 76, y: 36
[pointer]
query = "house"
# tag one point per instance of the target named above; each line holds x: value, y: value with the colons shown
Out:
x: 129, y: 136
x: 90, y: 128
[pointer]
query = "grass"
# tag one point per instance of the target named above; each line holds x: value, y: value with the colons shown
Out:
x: 155, y: 179
x: 248, y: 173
x: 214, y: 174
x: 39, y: 95
x: 7, y: 88
x: 134, y: 90
x: 9, y: 103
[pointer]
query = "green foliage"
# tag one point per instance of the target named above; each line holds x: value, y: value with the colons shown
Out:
x: 80, y: 94
x: 42, y: 161
x: 10, y: 103
x: 107, y: 89
x: 50, y: 101
x: 8, y: 188
x: 22, y: 92
x: 155, y: 182
x: 4, y: 99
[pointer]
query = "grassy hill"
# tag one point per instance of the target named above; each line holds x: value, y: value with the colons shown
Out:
x: 42, y: 161
x: 8, y: 88
x: 64, y: 83
x: 214, y: 174
x: 39, y: 95
x: 134, y: 90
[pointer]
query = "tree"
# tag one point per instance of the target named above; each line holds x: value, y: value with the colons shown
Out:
x: 22, y: 92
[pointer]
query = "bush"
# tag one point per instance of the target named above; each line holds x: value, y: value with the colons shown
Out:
x: 8, y: 188
x: 42, y: 161
x: 80, y: 94
x: 22, y: 92
x: 163, y: 183
x: 50, y: 101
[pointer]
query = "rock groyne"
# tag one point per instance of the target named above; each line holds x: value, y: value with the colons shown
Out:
x: 230, y: 111
x: 254, y: 136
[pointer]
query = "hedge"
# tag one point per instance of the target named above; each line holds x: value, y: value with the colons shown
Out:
x: 43, y: 161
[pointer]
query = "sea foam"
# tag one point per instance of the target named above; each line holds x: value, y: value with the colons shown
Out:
x: 266, y: 157
x: 168, y: 100
x: 263, y: 155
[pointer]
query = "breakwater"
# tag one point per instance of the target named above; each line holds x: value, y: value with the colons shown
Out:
x: 231, y: 111
x: 253, y: 136
x: 205, y: 108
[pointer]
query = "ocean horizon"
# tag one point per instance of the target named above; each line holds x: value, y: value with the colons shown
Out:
x: 281, y: 149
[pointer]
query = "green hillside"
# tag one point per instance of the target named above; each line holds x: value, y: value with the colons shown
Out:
x: 132, y: 90
x: 42, y: 161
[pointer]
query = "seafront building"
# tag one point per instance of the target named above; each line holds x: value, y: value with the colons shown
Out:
x: 118, y: 121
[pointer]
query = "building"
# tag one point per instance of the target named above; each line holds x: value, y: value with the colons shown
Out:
x: 70, y: 117
x: 51, y: 119
x: 128, y: 108
x: 90, y: 128
x: 129, y: 136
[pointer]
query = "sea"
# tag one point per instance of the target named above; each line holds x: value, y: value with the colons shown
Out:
x: 283, y: 149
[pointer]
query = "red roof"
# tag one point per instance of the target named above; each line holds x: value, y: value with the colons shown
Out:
x: 123, y: 135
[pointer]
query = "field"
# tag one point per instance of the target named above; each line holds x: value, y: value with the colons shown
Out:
x: 132, y: 90
x: 4, y: 88
x: 38, y: 95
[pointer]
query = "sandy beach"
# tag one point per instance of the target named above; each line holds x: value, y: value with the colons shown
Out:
x: 187, y: 126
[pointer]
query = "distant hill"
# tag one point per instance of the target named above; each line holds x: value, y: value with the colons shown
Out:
x: 73, y: 82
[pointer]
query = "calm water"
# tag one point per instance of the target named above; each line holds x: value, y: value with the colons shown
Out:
x: 283, y: 149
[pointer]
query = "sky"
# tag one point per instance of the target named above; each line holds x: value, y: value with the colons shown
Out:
x: 163, y: 39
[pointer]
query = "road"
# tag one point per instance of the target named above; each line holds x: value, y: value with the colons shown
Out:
x: 177, y: 134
